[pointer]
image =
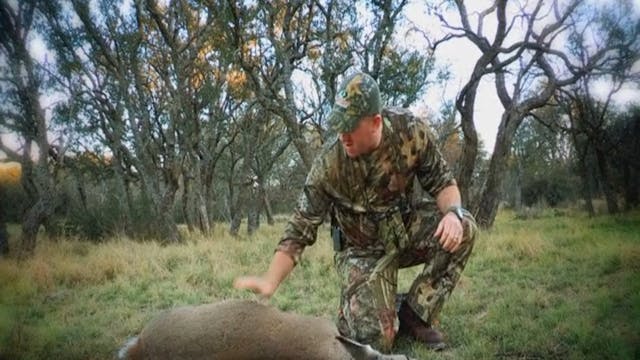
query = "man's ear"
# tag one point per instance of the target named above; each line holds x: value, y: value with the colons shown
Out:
x: 377, y: 120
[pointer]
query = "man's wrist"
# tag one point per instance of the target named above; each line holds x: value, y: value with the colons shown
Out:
x: 457, y: 210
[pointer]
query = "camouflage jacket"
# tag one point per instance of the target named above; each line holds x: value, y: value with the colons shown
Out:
x: 357, y: 190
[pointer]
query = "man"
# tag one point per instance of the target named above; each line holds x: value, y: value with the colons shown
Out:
x: 364, y: 179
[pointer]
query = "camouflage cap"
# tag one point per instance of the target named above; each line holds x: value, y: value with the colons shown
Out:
x: 358, y: 96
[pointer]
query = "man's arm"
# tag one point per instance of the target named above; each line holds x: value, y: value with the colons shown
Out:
x: 265, y: 285
x: 449, y: 229
x: 448, y: 197
x: 300, y: 232
x: 436, y: 178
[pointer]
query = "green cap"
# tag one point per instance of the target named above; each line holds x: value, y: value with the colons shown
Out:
x: 358, y: 96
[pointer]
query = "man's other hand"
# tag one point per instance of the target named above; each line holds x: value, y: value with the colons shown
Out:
x: 450, y: 232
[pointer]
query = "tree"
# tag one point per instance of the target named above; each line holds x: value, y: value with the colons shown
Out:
x: 167, y: 88
x: 22, y: 114
x: 539, y: 168
x: 534, y: 64
x: 272, y: 38
x: 625, y: 132
x: 281, y: 41
x: 157, y: 91
x: 590, y: 117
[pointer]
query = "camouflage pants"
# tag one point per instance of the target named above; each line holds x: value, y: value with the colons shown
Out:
x: 368, y: 308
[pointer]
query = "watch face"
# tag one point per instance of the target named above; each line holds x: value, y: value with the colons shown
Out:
x: 458, y: 212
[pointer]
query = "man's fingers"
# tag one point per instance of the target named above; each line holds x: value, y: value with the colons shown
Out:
x: 455, y: 245
x: 238, y: 283
x: 255, y: 284
x: 438, y: 230
x: 449, y: 234
x: 246, y: 283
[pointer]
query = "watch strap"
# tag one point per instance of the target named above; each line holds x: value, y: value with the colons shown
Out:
x: 457, y: 210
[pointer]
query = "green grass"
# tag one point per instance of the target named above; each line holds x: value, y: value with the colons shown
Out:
x: 555, y: 287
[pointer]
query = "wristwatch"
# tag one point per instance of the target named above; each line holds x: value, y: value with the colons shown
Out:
x: 457, y: 210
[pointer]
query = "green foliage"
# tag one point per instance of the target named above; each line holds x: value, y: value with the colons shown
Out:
x: 541, y: 170
x: 552, y: 189
x: 551, y: 287
x: 625, y: 132
x: 12, y: 200
x: 104, y: 212
x: 404, y: 76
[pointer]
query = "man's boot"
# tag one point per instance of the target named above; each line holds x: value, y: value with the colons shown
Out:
x: 416, y: 328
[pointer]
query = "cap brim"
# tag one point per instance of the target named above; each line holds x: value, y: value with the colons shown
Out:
x: 339, y: 121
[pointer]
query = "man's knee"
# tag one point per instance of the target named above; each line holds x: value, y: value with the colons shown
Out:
x: 470, y: 229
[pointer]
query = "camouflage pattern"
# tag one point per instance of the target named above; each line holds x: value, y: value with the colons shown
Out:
x: 370, y: 200
x: 358, y: 96
x: 368, y: 304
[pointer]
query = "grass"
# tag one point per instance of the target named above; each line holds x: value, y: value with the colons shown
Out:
x: 554, y: 287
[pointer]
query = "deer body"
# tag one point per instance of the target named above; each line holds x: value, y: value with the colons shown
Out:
x: 243, y: 329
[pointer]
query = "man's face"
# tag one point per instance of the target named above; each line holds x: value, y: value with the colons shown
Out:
x: 362, y: 139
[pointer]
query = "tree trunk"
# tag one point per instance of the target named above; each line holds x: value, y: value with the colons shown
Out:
x: 4, y: 238
x: 199, y: 199
x: 162, y: 200
x: 253, y: 209
x: 587, y: 193
x: 609, y: 193
x: 236, y: 206
x: 490, y: 198
x: 186, y: 200
x: 31, y: 221
x: 266, y: 204
x: 517, y: 200
x: 43, y: 206
x: 203, y: 215
x: 81, y: 193
x: 166, y: 225
x: 129, y: 209
x: 30, y: 226
x: 631, y: 194
x: 467, y: 165
x: 253, y: 221
x: 465, y: 105
x: 236, y: 221
x: 4, y: 235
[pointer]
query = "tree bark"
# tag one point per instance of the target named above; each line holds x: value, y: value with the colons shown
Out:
x: 253, y: 210
x: 266, y: 204
x: 609, y: 193
x: 631, y: 193
x: 587, y: 193
x: 4, y: 235
x: 491, y: 196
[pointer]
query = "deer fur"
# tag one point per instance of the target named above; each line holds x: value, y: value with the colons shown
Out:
x: 243, y: 329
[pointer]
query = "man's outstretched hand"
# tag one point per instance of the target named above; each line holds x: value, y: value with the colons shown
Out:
x: 257, y: 284
x: 265, y: 285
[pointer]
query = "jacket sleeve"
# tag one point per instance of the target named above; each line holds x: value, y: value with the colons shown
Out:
x: 312, y: 207
x: 432, y: 171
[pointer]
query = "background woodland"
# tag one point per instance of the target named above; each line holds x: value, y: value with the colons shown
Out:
x: 142, y: 115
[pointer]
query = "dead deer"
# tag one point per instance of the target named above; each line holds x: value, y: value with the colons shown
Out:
x: 244, y: 329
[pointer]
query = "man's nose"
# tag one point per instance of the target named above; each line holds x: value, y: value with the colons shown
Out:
x: 344, y: 136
